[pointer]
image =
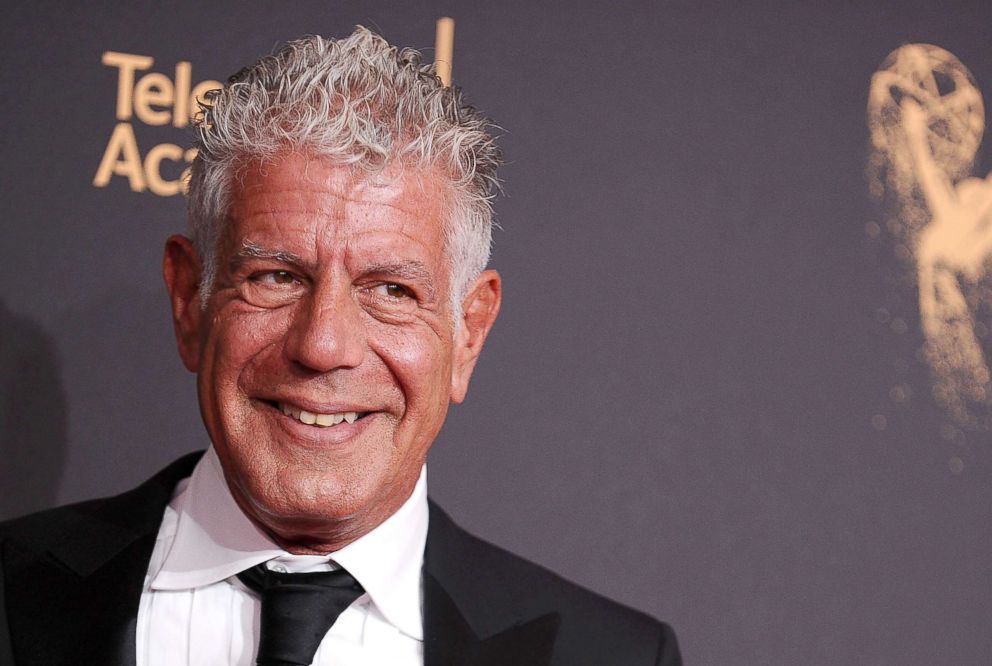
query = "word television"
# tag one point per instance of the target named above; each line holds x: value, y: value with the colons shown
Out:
x: 153, y: 99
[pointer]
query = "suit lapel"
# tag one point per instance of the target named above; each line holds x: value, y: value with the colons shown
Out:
x: 92, y: 615
x: 77, y: 586
x: 469, y: 618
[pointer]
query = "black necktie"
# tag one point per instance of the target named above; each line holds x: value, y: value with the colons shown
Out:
x: 297, y: 611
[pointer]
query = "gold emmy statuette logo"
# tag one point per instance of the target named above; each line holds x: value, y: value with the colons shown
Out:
x: 926, y: 119
x: 154, y: 99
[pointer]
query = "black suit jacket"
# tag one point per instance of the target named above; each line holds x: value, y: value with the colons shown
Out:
x: 71, y: 580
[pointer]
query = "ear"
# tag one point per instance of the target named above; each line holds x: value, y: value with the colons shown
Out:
x: 181, y: 270
x: 479, y: 309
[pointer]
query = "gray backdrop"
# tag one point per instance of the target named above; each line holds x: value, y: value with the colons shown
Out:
x: 687, y: 403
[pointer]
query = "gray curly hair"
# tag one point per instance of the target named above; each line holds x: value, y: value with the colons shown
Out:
x: 357, y: 101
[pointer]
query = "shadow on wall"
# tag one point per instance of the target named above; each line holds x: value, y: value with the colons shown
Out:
x: 32, y: 417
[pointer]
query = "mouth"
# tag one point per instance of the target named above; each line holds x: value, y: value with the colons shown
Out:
x: 316, y: 419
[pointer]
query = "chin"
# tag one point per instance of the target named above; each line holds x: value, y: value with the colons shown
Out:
x: 313, y: 498
x: 306, y: 523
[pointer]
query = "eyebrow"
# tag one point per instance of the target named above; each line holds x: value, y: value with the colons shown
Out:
x: 250, y: 250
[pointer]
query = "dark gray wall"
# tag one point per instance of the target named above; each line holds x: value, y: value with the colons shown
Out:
x: 676, y: 406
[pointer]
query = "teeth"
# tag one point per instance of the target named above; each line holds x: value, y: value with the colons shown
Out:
x: 322, y: 420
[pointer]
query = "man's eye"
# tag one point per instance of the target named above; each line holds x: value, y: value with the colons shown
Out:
x: 274, y: 277
x: 272, y: 288
x: 394, y: 290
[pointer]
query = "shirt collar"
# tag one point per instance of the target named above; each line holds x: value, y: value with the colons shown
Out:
x: 214, y: 540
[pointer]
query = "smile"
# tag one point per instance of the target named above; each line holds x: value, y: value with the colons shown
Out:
x: 319, y: 420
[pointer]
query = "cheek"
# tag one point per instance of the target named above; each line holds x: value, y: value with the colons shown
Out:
x: 421, y: 365
x: 246, y: 342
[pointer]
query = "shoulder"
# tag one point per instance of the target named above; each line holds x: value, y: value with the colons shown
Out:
x: 593, y: 629
x: 100, y: 520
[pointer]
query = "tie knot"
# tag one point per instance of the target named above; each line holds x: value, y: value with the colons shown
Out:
x: 260, y: 579
x: 297, y: 611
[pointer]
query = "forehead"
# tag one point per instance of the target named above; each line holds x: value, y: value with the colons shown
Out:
x: 297, y: 193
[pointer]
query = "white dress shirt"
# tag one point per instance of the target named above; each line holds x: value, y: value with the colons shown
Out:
x: 194, y: 610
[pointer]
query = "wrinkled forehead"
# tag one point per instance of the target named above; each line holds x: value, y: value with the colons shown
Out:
x: 314, y: 209
x: 414, y: 190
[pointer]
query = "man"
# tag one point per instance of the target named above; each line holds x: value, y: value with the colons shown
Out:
x: 332, y: 299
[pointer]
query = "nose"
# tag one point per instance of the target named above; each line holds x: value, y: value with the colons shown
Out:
x: 327, y: 331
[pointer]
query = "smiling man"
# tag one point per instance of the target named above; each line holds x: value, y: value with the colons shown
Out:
x: 328, y: 349
x: 332, y: 299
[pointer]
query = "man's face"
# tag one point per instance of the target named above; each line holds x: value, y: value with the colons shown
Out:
x: 326, y: 356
